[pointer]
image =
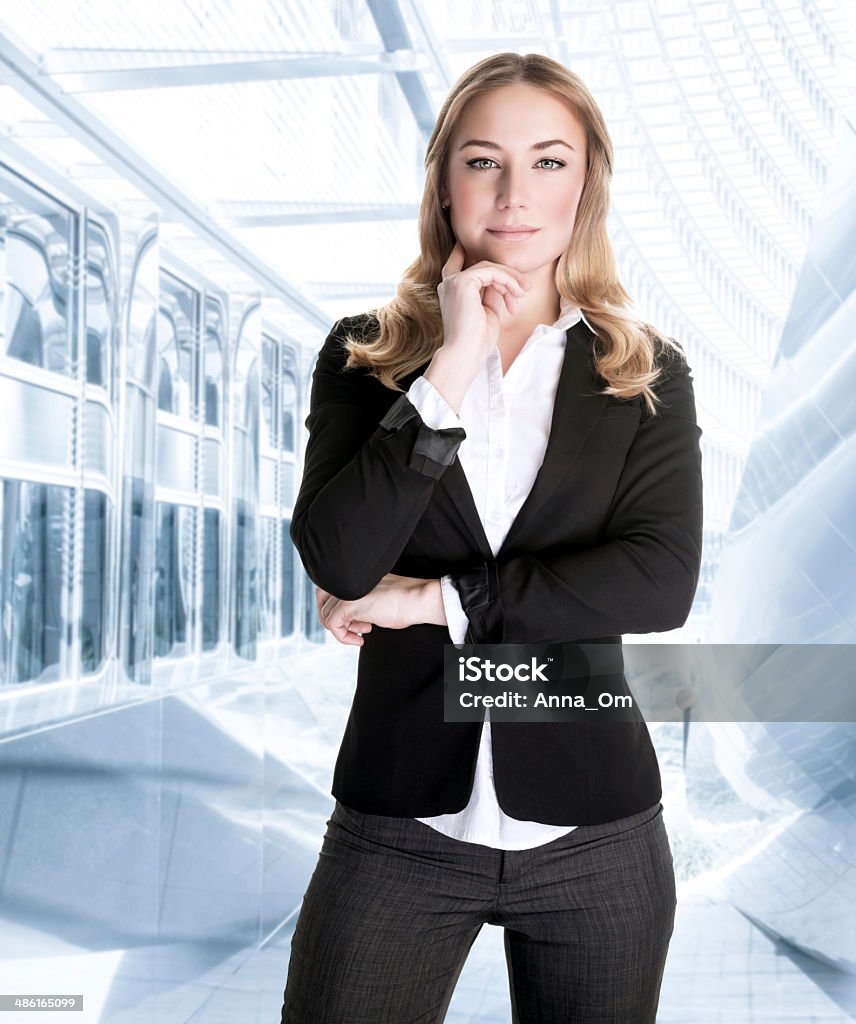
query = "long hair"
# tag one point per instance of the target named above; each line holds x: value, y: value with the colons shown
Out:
x: 411, y: 326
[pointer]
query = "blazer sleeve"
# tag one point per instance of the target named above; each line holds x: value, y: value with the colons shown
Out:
x: 641, y: 577
x: 360, y: 500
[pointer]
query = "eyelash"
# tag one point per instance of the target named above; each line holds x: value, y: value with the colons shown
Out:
x: 479, y: 159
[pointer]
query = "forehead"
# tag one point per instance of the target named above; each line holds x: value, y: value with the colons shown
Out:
x: 517, y: 114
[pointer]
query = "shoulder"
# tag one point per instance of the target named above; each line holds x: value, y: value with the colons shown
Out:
x: 670, y: 357
x: 674, y: 384
x: 334, y: 354
x: 362, y: 327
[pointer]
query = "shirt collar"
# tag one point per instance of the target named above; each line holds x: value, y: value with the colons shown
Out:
x: 569, y: 314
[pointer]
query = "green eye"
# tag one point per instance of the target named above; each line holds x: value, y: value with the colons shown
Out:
x: 489, y: 160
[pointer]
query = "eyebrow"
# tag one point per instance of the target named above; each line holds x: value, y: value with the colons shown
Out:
x: 494, y: 145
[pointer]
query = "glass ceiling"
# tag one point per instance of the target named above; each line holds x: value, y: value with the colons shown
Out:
x: 283, y: 142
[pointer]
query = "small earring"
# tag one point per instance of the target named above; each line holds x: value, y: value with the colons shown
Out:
x: 445, y: 206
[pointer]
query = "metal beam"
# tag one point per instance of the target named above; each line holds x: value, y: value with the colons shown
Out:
x: 58, y: 59
x: 110, y: 147
x: 159, y: 76
x: 254, y: 214
x: 435, y: 49
x: 395, y: 35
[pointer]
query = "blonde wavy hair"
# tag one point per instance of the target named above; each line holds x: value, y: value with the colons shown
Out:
x: 410, y: 324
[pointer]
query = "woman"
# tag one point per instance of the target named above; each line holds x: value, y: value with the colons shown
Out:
x: 487, y: 462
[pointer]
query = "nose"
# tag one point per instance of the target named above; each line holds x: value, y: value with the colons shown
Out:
x: 512, y: 189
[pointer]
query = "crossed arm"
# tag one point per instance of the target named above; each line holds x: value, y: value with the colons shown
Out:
x: 360, y: 501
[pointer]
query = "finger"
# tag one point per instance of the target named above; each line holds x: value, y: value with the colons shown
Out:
x: 350, y: 632
x: 332, y: 619
x: 329, y: 610
x: 493, y: 300
x: 355, y: 626
x: 520, y: 279
x: 321, y: 596
x: 455, y: 261
x: 347, y: 637
x: 340, y: 621
x: 489, y: 274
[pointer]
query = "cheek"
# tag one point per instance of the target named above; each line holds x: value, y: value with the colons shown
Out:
x: 560, y: 213
x: 572, y: 196
x: 469, y: 197
x: 566, y: 205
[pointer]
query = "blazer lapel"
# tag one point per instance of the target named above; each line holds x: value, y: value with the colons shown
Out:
x: 454, y: 482
x: 575, y: 412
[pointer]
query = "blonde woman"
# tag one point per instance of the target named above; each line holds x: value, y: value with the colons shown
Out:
x: 504, y: 453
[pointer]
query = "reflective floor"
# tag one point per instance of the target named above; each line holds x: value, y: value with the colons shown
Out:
x: 721, y: 967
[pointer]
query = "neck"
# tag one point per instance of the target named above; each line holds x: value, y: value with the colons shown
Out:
x: 540, y: 305
x: 530, y: 313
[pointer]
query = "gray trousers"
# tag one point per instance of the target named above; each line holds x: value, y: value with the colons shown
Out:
x: 394, y: 906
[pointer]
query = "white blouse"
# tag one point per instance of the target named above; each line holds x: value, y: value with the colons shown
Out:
x: 507, y: 422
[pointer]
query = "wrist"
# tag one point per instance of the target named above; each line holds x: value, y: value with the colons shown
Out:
x: 431, y: 609
x: 451, y: 376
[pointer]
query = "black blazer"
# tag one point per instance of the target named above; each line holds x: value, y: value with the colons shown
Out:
x: 607, y: 542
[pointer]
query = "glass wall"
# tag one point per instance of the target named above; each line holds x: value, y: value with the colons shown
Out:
x: 213, y: 471
x: 58, y: 447
x: 138, y: 348
x: 114, y: 496
x: 246, y: 375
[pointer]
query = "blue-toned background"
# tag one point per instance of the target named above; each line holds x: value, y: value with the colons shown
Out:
x: 190, y: 195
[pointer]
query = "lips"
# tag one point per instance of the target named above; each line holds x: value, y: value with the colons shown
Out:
x: 512, y: 232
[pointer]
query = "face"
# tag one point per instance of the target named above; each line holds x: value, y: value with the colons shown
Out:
x: 504, y: 180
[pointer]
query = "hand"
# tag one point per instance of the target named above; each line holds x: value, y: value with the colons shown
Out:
x: 352, y: 634
x: 396, y: 602
x: 471, y: 302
